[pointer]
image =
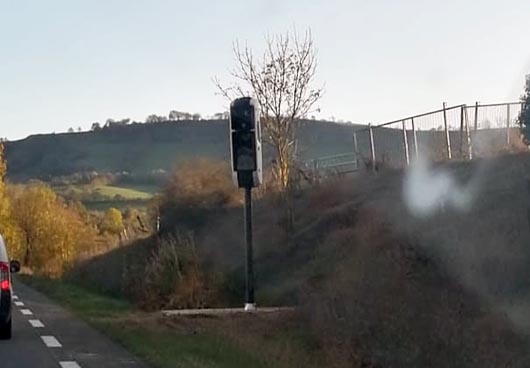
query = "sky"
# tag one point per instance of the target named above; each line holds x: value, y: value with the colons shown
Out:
x: 69, y: 63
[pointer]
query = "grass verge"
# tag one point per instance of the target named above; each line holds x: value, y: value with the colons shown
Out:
x: 279, y: 341
x: 148, y: 336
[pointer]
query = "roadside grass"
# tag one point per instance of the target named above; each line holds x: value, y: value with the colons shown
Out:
x: 84, y: 304
x: 195, y: 342
x: 163, y: 348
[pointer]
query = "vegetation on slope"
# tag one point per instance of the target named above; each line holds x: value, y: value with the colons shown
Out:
x: 377, y: 286
x: 144, y: 149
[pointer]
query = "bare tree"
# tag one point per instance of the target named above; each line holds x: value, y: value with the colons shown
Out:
x: 282, y: 82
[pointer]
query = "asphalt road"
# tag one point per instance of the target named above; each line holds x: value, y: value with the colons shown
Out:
x: 50, y: 337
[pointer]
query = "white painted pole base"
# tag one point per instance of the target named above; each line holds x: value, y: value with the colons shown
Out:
x: 249, y: 307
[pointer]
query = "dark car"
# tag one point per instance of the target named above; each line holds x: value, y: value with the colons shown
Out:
x: 6, y: 291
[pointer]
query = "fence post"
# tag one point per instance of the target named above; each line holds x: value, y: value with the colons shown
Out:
x: 447, y: 137
x: 372, y: 147
x: 406, y: 143
x: 462, y: 131
x: 356, y: 150
x: 315, y: 171
x: 468, y: 136
x: 508, y: 124
x: 415, y: 137
x: 476, y: 116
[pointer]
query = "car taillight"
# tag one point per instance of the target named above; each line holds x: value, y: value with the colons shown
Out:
x: 4, y: 276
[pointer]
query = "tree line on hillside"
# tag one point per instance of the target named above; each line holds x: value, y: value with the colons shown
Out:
x: 173, y: 116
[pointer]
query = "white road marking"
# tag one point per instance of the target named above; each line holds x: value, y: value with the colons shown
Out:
x: 36, y: 323
x: 26, y: 312
x: 15, y: 297
x: 51, y: 341
x: 69, y: 365
x: 19, y: 304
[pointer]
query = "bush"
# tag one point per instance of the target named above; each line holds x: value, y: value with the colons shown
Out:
x: 173, y: 276
x: 112, y: 222
x: 153, y: 273
x: 196, y: 191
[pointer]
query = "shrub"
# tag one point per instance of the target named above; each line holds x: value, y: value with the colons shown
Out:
x: 112, y: 222
x: 172, y: 277
x: 195, y: 192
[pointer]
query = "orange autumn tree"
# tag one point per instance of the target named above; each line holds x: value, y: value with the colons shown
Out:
x: 52, y: 232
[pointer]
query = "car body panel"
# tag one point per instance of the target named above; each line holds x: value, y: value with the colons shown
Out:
x: 5, y: 295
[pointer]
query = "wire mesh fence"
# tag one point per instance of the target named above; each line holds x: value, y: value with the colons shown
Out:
x: 458, y: 132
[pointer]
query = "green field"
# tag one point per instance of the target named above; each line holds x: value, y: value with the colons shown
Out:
x: 127, y: 193
x: 102, y: 197
x: 107, y: 191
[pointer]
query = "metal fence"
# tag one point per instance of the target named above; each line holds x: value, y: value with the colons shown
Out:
x: 331, y: 165
x: 455, y: 132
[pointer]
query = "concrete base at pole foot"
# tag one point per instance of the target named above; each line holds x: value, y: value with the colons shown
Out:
x: 250, y: 307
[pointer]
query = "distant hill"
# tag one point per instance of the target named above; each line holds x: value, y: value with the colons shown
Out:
x: 145, y: 148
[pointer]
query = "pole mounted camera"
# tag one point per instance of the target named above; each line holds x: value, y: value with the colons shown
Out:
x: 245, y: 143
x: 246, y: 157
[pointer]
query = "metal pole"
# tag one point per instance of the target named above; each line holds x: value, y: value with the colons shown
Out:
x: 406, y: 143
x: 447, y: 137
x: 476, y: 116
x: 250, y: 303
x: 508, y: 124
x: 372, y: 147
x: 356, y: 150
x: 315, y: 171
x: 468, y: 136
x: 415, y: 136
x: 462, y: 131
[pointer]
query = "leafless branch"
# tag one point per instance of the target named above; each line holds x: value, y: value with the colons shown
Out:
x: 282, y: 82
